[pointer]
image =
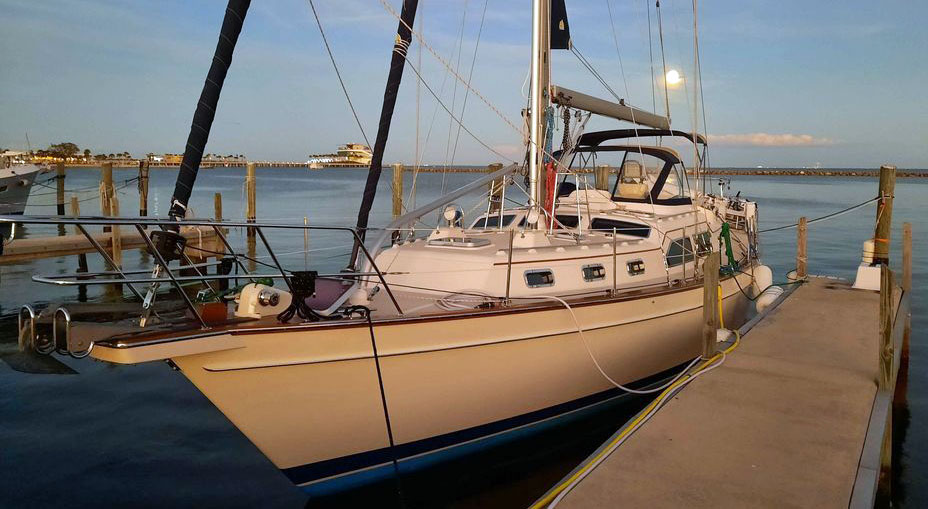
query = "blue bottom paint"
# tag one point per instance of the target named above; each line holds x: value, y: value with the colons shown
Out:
x: 364, y: 477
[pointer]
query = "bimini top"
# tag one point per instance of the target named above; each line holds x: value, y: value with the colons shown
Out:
x: 596, y: 138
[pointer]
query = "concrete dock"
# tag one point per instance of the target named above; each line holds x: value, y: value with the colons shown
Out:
x: 793, y: 418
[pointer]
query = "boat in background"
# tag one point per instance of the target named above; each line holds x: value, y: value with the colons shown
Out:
x: 350, y: 155
x: 16, y: 179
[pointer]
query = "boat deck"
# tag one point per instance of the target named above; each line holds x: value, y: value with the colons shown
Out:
x: 782, y: 423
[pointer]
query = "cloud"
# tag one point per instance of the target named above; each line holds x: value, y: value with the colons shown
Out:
x: 769, y: 140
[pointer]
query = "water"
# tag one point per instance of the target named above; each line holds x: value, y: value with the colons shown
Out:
x: 120, y: 435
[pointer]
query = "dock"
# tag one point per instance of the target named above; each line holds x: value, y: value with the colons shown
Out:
x: 797, y: 412
x: 784, y: 422
x: 23, y: 250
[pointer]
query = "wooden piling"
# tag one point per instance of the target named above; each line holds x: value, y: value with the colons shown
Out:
x: 116, y: 237
x: 106, y: 190
x: 802, y: 232
x: 601, y: 177
x: 217, y: 206
x: 496, y: 188
x: 886, y: 327
x: 884, y: 214
x: 251, y: 197
x: 59, y: 187
x: 143, y: 188
x: 886, y: 381
x: 710, y: 304
x: 397, y: 185
x: 76, y: 212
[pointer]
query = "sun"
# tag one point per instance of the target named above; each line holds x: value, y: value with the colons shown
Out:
x: 673, y: 77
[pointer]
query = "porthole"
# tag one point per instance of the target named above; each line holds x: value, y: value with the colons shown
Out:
x: 635, y: 267
x: 595, y: 272
x: 539, y: 278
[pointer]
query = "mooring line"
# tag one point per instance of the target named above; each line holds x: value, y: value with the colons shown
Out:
x: 823, y: 218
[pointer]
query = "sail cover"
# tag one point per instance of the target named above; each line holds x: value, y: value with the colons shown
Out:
x: 560, y: 29
x: 395, y: 76
x: 206, y: 106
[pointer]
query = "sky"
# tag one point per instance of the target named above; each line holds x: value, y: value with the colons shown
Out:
x: 785, y: 82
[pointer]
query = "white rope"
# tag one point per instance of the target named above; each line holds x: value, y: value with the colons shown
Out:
x: 596, y: 362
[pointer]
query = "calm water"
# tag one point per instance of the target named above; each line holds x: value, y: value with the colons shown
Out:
x: 89, y: 434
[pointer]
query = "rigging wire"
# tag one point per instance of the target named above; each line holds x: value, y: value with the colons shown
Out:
x: 615, y: 39
x: 428, y: 134
x: 647, y: 5
x: 460, y: 78
x: 325, y: 40
x: 696, y: 82
x: 450, y: 69
x: 450, y: 113
x: 586, y: 63
x: 412, y: 194
x: 470, y: 76
x: 702, y: 99
x: 660, y: 35
x: 454, y: 94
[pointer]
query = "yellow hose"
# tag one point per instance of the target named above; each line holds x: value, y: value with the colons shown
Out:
x: 721, y: 314
x: 631, y: 425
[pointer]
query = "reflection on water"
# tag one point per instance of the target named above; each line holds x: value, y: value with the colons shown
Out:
x: 117, y: 435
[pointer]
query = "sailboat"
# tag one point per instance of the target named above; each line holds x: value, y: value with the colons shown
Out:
x: 431, y: 344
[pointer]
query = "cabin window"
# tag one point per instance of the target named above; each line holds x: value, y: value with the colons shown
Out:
x: 680, y: 252
x: 2, y: 189
x: 567, y: 220
x: 676, y: 185
x: 703, y: 243
x: 539, y: 278
x: 595, y: 272
x: 635, y: 267
x: 493, y: 221
x: 621, y: 227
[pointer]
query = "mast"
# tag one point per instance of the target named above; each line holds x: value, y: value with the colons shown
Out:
x: 541, y: 75
x: 397, y: 64
x: 206, y: 106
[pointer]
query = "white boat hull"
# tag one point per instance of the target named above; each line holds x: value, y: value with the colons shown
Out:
x: 310, y: 400
x: 15, y: 185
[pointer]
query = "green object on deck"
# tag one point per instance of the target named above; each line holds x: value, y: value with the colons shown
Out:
x: 209, y: 295
x: 726, y: 236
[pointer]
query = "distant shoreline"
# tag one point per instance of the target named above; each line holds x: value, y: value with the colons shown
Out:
x: 818, y: 172
x: 721, y: 172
